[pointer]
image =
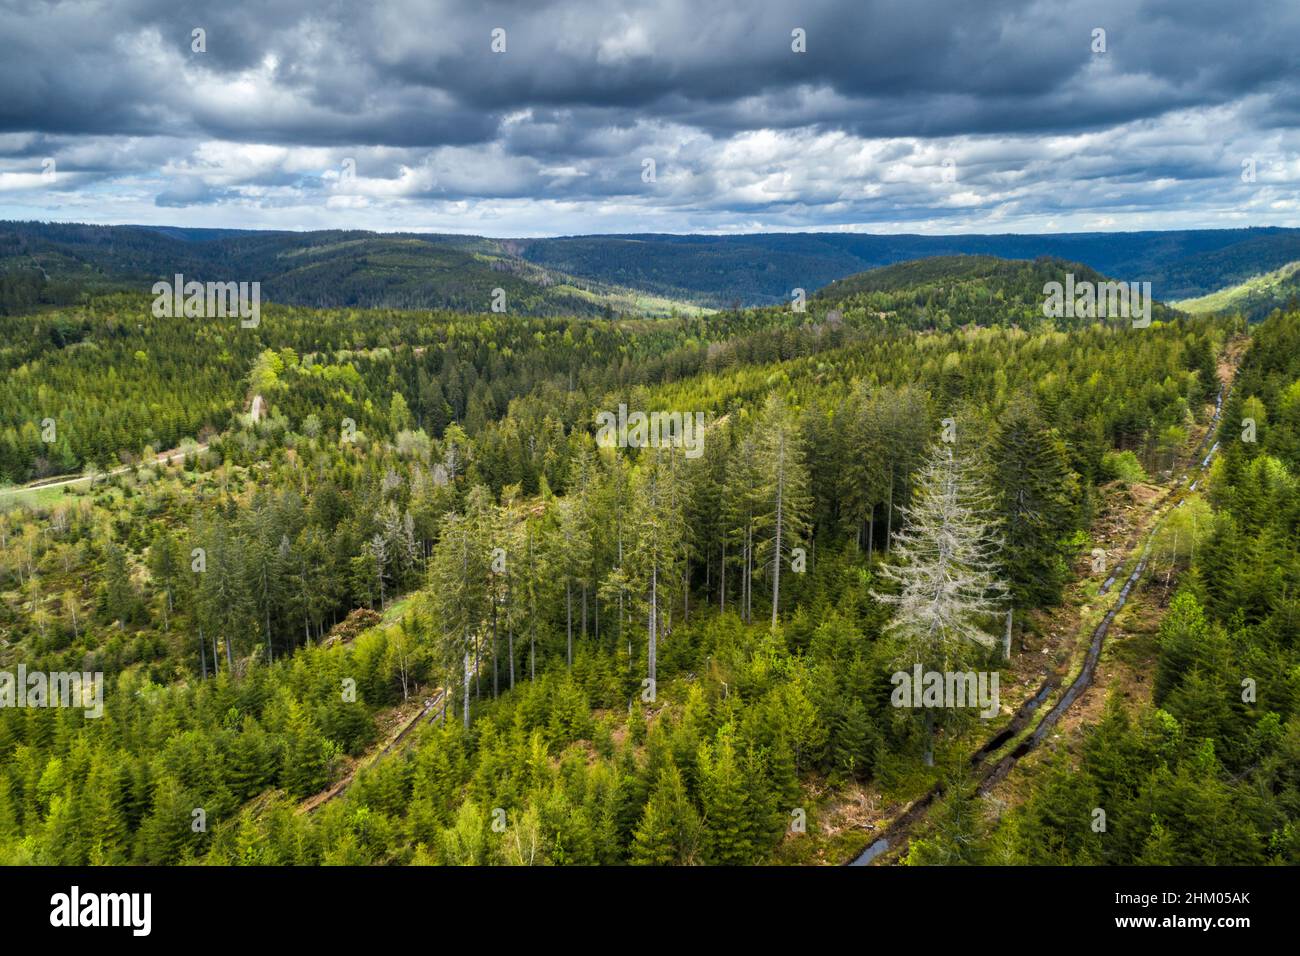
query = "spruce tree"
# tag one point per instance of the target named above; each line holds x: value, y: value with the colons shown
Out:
x: 944, y: 564
x: 726, y: 817
x: 1035, y: 504
x: 669, y: 830
x: 652, y: 566
x: 782, y: 521
x: 946, y: 558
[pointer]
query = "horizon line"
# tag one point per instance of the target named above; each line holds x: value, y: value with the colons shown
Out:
x: 622, y: 235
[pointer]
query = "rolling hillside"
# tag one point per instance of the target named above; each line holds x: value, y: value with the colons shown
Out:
x: 50, y: 264
x: 1255, y: 298
x: 762, y: 269
x: 947, y: 292
x: 53, y: 264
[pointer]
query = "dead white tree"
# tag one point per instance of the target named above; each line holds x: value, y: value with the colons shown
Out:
x: 944, y: 561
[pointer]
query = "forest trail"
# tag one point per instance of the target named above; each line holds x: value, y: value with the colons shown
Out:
x: 41, y: 484
x: 893, y: 839
x: 378, y: 753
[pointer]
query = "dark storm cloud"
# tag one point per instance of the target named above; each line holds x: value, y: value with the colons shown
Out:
x: 422, y: 73
x: 889, y: 95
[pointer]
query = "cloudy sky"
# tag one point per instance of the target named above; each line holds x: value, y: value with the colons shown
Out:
x: 910, y: 116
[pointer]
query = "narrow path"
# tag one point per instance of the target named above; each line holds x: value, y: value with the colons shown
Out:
x: 896, y: 834
x: 325, y: 796
x: 42, y: 483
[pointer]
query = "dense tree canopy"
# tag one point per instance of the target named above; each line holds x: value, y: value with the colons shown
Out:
x: 644, y: 655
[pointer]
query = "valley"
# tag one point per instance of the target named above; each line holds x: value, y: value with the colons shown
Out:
x: 367, y: 586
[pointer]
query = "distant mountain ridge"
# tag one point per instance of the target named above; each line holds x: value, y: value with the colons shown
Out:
x: 653, y: 274
x: 764, y: 268
x: 52, y: 264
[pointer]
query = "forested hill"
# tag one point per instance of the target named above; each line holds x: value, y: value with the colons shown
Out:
x: 55, y: 264
x: 168, y: 384
x: 45, y: 264
x: 401, y: 452
x: 948, y: 292
x: 758, y: 269
x: 1255, y: 298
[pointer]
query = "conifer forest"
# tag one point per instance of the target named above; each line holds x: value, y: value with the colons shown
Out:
x: 878, y: 444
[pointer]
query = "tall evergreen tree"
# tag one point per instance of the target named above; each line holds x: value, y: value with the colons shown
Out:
x: 782, y: 523
x: 946, y: 558
x: 669, y: 831
x: 656, y: 547
x: 1035, y: 504
x: 945, y: 561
